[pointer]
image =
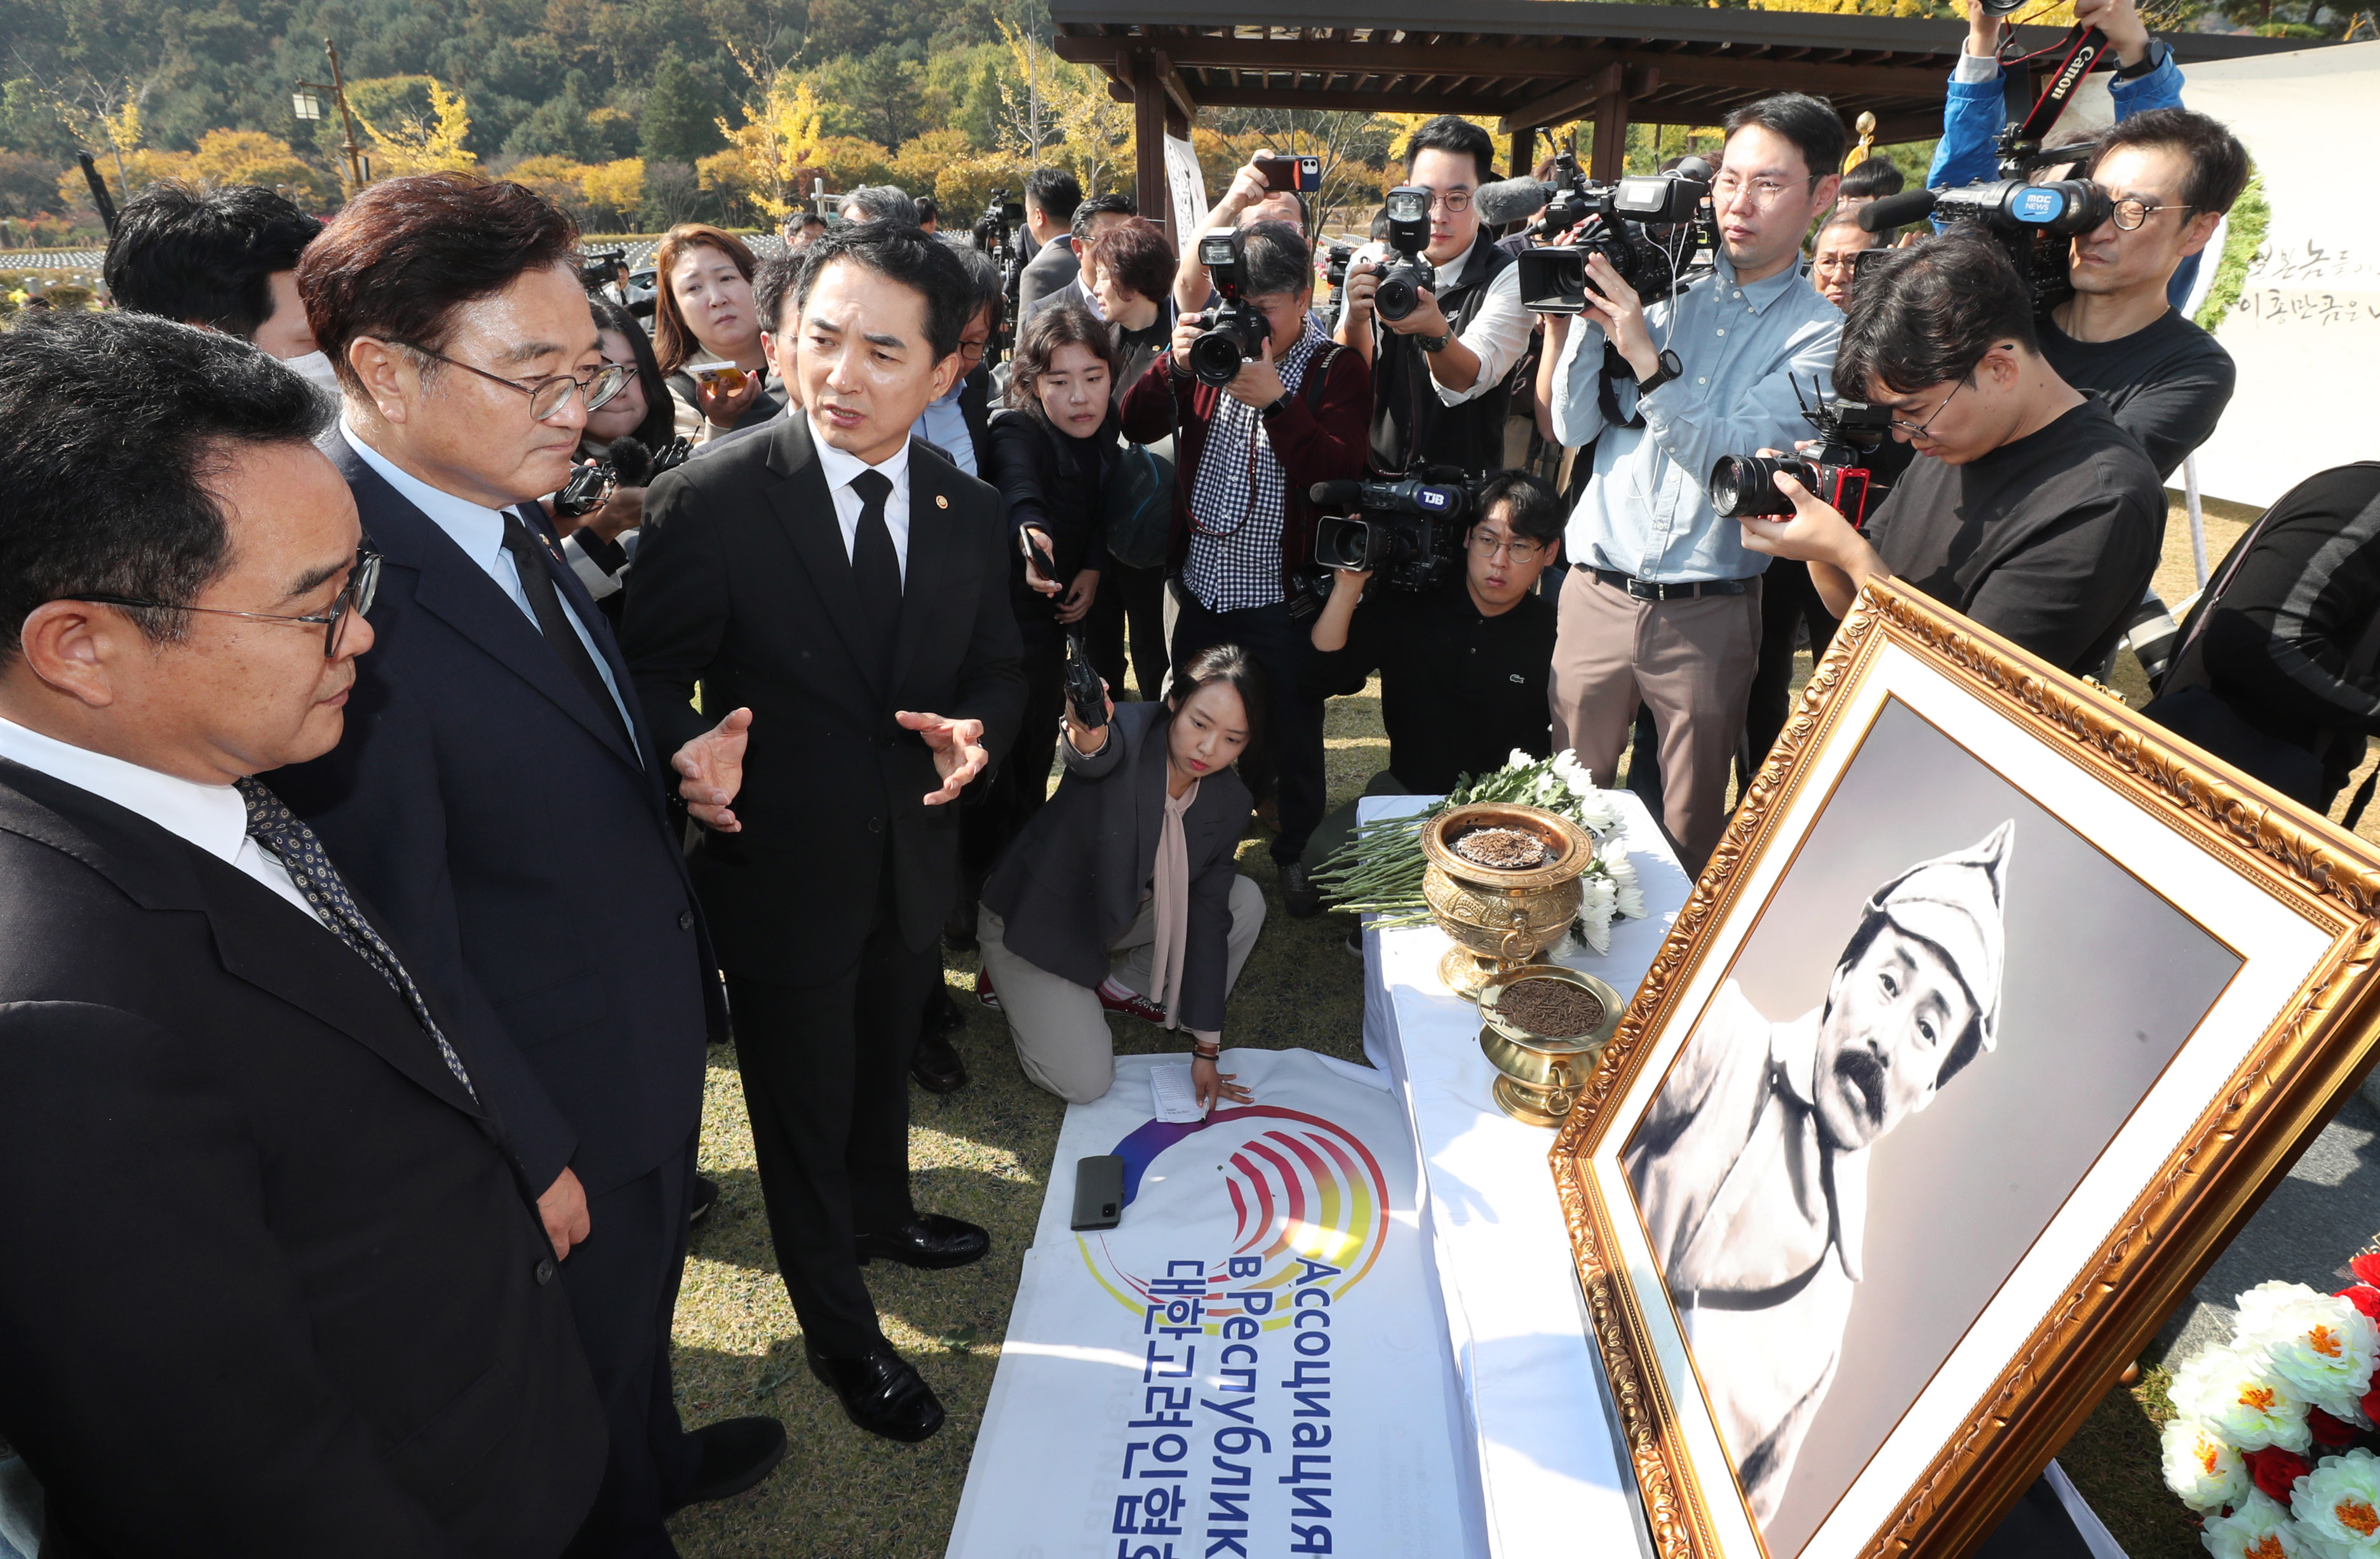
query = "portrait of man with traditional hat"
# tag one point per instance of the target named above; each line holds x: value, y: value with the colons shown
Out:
x: 1751, y: 1166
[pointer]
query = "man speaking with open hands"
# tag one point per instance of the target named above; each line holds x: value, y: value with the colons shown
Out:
x: 836, y: 579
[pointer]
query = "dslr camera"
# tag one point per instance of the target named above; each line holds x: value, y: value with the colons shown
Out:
x: 625, y: 463
x: 600, y: 268
x: 1835, y: 473
x: 1234, y: 333
x: 1402, y: 284
x: 1407, y: 533
x: 1649, y: 226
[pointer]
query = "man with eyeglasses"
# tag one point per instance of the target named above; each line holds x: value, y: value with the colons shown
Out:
x: 1439, y: 376
x: 1462, y: 666
x: 272, y: 1286
x: 2028, y: 507
x: 1662, y: 604
x: 499, y: 795
x: 958, y: 421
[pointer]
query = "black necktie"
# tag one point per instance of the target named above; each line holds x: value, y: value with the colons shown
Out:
x: 277, y: 829
x: 876, y: 568
x: 552, y: 618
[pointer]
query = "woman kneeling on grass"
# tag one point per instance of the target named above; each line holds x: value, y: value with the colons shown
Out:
x: 1120, y: 896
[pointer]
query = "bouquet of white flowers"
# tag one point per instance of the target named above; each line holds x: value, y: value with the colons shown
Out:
x: 1381, y: 870
x: 2272, y: 1439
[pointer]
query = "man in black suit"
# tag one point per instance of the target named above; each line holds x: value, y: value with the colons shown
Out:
x: 497, y: 794
x: 836, y: 578
x: 271, y: 1287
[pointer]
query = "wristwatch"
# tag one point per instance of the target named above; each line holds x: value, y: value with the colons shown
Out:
x: 2150, y: 60
x: 1435, y: 344
x: 1670, y: 369
x: 1272, y: 408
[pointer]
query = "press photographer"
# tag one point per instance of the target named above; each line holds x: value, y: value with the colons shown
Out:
x: 2036, y: 515
x: 1252, y: 444
x: 1463, y: 661
x: 1662, y: 604
x: 1267, y: 189
x: 1439, y: 321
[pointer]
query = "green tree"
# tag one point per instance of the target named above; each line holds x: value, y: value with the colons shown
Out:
x: 680, y: 123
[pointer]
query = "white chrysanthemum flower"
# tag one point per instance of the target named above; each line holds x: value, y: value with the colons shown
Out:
x: 1573, y: 773
x: 1596, y: 899
x: 2261, y: 1529
x: 2251, y: 1407
x: 1519, y: 760
x: 2206, y: 1473
x: 2321, y: 1345
x: 1628, y: 893
x: 2337, y: 1505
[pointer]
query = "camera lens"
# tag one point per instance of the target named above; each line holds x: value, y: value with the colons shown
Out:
x: 1342, y: 542
x: 1746, y: 484
x: 1397, y: 296
x: 1215, y: 357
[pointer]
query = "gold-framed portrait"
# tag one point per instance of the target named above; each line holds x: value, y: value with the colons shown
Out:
x: 1997, y: 1010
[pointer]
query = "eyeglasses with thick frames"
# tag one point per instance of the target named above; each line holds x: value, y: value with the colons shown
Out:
x: 354, y: 600
x: 2131, y: 211
x: 1451, y: 201
x: 548, y: 396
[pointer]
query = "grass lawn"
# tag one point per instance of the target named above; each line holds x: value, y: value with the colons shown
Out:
x: 984, y: 1154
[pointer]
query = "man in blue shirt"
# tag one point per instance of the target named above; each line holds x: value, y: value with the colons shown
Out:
x: 1662, y: 604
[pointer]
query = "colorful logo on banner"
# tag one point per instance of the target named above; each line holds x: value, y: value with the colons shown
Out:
x: 1301, y: 1191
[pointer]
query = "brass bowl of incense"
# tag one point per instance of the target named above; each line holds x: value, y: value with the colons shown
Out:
x: 1502, y: 883
x: 1545, y: 1026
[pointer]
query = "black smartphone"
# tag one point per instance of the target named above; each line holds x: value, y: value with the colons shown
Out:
x: 1098, y: 1192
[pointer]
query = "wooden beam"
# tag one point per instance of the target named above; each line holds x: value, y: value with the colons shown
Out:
x: 1149, y: 103
x: 1608, y: 159
x: 1217, y: 95
x: 1523, y: 151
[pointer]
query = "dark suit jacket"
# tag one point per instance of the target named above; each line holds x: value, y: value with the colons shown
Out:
x: 487, y: 804
x: 1073, y: 881
x: 269, y: 1288
x: 743, y: 585
x: 1052, y: 266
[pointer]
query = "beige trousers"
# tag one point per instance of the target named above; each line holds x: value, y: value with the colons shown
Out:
x: 1060, y: 1028
x: 1689, y: 662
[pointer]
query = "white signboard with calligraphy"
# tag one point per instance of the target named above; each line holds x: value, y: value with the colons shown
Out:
x: 2306, y: 330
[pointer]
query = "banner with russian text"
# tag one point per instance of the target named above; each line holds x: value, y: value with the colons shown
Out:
x: 1248, y: 1365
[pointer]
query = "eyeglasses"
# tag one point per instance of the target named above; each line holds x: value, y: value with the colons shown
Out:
x: 1917, y: 430
x: 1452, y: 201
x: 973, y: 351
x: 551, y: 396
x: 1764, y: 191
x: 1510, y: 547
x: 354, y: 601
x: 2131, y: 212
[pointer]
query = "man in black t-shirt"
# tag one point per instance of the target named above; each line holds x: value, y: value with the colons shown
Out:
x: 2029, y: 509
x: 1463, y: 667
x: 2172, y: 175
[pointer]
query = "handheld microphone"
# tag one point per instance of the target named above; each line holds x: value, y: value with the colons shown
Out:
x: 1897, y: 211
x: 631, y: 459
x: 1512, y: 200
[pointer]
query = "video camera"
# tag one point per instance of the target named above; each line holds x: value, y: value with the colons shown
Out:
x: 1408, y: 533
x: 1648, y: 226
x: 993, y: 236
x: 2035, y: 223
x: 625, y: 463
x: 1835, y: 473
x: 1234, y: 333
x: 602, y: 268
x: 1402, y: 284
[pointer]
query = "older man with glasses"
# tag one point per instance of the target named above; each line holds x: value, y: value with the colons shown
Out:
x: 497, y: 793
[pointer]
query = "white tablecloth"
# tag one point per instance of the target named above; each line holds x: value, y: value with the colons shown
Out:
x: 1544, y: 1475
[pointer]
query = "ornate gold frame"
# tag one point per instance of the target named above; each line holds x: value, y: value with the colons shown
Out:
x: 2310, y: 1055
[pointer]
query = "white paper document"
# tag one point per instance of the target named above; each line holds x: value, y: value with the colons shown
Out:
x: 1173, y: 1095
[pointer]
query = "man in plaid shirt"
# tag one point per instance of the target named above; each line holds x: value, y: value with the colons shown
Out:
x: 1248, y: 454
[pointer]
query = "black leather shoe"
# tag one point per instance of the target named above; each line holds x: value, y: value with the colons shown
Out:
x: 928, y: 1240
x: 880, y: 1392
x: 736, y: 1454
x: 1298, y: 893
x: 943, y: 1015
x: 936, y: 1066
x: 705, y: 1197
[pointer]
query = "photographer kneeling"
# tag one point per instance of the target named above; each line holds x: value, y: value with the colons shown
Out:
x: 1462, y: 664
x: 2034, y: 514
x: 1127, y: 873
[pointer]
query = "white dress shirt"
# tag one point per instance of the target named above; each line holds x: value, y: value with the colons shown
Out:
x: 1499, y: 332
x: 840, y: 468
x: 480, y: 533
x: 213, y: 817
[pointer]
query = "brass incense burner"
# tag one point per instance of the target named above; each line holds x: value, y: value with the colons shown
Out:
x: 1539, y: 1077
x: 1501, y: 917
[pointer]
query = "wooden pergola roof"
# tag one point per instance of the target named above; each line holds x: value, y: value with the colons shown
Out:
x: 1532, y: 63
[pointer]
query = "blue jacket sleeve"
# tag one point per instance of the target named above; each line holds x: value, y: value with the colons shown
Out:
x: 1967, y: 154
x: 2161, y: 87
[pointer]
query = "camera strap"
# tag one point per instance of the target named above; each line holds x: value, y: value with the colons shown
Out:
x: 2082, y: 50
